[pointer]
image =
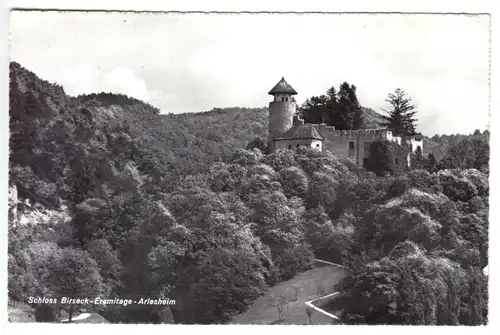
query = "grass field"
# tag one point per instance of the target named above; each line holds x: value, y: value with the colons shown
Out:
x: 312, y: 284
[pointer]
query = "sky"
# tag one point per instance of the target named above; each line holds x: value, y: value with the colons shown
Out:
x: 194, y: 62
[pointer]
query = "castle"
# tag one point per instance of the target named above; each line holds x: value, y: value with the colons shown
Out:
x: 288, y: 131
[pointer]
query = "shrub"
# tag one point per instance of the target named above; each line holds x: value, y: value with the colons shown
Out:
x: 386, y: 158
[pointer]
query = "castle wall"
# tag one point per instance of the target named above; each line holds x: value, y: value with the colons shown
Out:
x: 390, y: 137
x: 354, y: 144
x: 414, y: 144
x: 292, y: 144
x: 280, y: 119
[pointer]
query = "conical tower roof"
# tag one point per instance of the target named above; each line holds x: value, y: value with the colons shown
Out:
x: 282, y: 87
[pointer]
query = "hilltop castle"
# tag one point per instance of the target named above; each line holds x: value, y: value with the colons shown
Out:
x: 287, y: 130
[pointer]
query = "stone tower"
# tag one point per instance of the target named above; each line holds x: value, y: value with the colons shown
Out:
x: 281, y: 111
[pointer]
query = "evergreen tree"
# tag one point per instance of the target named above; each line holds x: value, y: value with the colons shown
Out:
x: 339, y: 109
x: 331, y: 93
x: 401, y: 115
x: 344, y: 119
x: 349, y: 113
x: 318, y: 109
x: 331, y: 106
x: 356, y: 111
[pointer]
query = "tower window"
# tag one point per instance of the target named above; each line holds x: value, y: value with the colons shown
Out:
x: 286, y: 99
x: 282, y: 99
x: 317, y: 145
x: 396, y: 161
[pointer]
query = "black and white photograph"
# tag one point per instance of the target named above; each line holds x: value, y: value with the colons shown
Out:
x: 218, y: 168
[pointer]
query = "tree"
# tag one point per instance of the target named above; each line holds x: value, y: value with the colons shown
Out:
x: 294, y: 182
x: 296, y: 292
x: 318, y: 109
x: 430, y: 162
x: 309, y: 312
x: 417, y: 159
x: 74, y: 274
x: 109, y: 264
x: 331, y: 93
x: 357, y: 112
x: 471, y: 152
x: 339, y: 109
x: 279, y: 303
x: 401, y: 118
x: 331, y: 106
x: 349, y: 113
x: 18, y: 281
x: 477, y: 297
x: 418, y: 153
x: 45, y: 313
x: 407, y: 287
x: 380, y: 160
x: 259, y: 144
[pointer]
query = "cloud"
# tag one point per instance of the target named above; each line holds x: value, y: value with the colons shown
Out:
x: 194, y: 62
x: 123, y: 80
x: 79, y: 78
x: 87, y: 78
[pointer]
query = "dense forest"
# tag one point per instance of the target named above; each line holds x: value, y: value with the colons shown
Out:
x: 190, y: 207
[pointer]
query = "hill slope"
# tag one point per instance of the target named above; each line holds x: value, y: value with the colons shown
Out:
x: 53, y: 134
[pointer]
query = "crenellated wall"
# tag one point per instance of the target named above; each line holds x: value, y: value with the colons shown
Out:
x: 351, y: 143
x: 354, y: 144
x: 414, y: 143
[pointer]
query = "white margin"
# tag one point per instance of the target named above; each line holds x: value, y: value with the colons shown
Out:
x: 442, y: 6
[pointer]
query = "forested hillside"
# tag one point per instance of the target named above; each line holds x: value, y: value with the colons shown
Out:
x: 175, y: 206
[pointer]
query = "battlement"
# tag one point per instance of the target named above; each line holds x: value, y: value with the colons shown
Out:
x: 331, y: 131
x: 322, y: 127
